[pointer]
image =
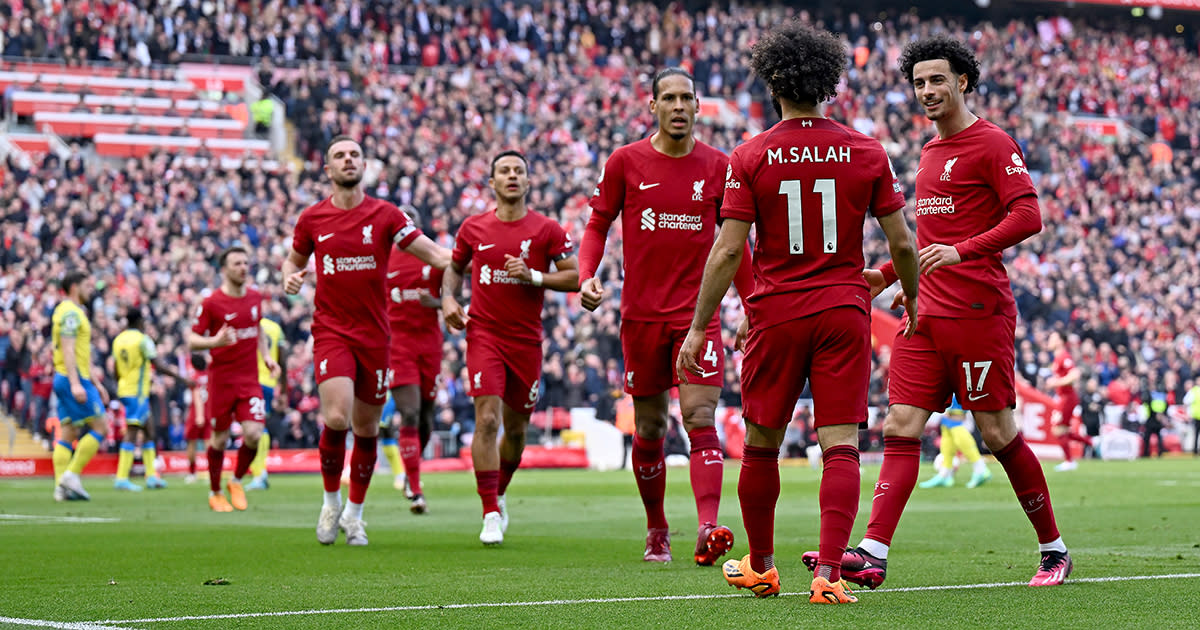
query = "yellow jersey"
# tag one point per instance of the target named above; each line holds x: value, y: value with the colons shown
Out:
x: 274, y: 334
x: 69, y: 320
x: 132, y: 352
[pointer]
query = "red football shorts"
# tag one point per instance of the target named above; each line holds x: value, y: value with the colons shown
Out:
x: 1066, y: 409
x: 193, y: 431
x: 367, y: 366
x: 510, y: 370
x: 968, y: 358
x: 650, y: 350
x: 227, y: 404
x: 830, y: 349
x: 417, y: 366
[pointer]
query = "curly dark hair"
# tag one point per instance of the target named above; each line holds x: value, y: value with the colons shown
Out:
x: 961, y: 59
x: 800, y: 63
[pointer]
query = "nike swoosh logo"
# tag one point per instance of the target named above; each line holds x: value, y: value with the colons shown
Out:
x: 708, y: 374
x: 973, y: 397
x: 324, y: 237
x: 230, y: 316
x: 709, y: 462
x: 919, y: 171
x: 393, y: 274
x: 489, y: 246
x: 645, y: 186
x: 877, y: 496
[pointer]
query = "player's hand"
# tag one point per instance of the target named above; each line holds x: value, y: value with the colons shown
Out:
x: 591, y: 293
x: 273, y: 368
x: 875, y: 281
x: 517, y: 268
x: 743, y: 331
x: 103, y: 393
x: 78, y: 393
x: 937, y: 255
x: 910, y: 307
x: 187, y: 383
x: 456, y: 317
x: 292, y: 284
x: 687, y: 355
x: 227, y: 336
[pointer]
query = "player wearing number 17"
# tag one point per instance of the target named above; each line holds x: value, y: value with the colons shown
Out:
x: 974, y: 200
x: 351, y: 235
x: 807, y: 185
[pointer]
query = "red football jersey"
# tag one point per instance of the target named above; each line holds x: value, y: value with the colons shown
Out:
x: 233, y: 367
x: 1063, y: 364
x: 808, y: 185
x: 199, y: 392
x: 502, y: 305
x: 964, y: 185
x: 669, y: 210
x: 352, y: 249
x: 412, y: 324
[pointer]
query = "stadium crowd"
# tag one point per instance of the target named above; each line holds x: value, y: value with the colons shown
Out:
x: 435, y: 91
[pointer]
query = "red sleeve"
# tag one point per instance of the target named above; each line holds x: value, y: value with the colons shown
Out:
x: 405, y: 232
x: 743, y: 278
x: 302, y: 241
x: 889, y: 273
x: 203, y: 319
x: 463, y: 246
x: 1024, y: 220
x: 560, y: 245
x: 435, y: 281
x: 739, y: 200
x: 607, y: 202
x: 887, y: 195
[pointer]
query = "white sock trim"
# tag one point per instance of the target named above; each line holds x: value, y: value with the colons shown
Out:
x: 1055, y: 545
x: 874, y: 547
x: 333, y: 499
x: 353, y: 510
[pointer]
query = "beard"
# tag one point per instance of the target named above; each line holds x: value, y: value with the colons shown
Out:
x: 677, y: 135
x: 349, y: 181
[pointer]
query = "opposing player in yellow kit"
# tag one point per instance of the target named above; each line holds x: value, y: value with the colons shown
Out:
x: 272, y: 385
x: 957, y: 439
x: 133, y: 353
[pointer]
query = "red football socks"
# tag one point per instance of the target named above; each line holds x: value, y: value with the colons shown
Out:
x: 758, y: 491
x: 507, y: 468
x: 245, y: 457
x: 839, y: 495
x: 650, y: 470
x: 332, y: 449
x: 486, y: 482
x: 410, y: 455
x: 897, y: 478
x: 1029, y: 482
x: 216, y: 459
x: 707, y: 467
x: 362, y: 466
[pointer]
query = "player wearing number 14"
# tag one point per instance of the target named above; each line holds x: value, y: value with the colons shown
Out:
x: 807, y: 185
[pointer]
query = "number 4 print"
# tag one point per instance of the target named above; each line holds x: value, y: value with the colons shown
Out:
x: 983, y: 367
x: 710, y: 355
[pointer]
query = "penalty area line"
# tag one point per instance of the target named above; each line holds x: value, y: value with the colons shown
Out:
x: 607, y: 600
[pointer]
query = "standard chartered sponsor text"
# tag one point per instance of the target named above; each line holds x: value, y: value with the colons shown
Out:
x: 935, y: 205
x: 355, y: 263
x: 679, y: 221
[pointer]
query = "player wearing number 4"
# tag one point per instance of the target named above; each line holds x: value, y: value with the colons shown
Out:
x: 351, y: 236
x: 974, y: 200
x: 807, y: 185
x: 667, y: 189
x: 227, y: 324
x: 510, y: 251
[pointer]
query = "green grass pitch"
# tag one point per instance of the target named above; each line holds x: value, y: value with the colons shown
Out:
x: 572, y: 557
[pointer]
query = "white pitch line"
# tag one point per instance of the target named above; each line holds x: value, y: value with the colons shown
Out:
x: 46, y: 518
x: 611, y: 600
x: 61, y: 625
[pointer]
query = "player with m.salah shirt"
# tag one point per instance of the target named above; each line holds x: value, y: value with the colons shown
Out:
x: 807, y: 185
x: 351, y: 236
x: 667, y: 190
x: 510, y: 251
x: 974, y: 200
